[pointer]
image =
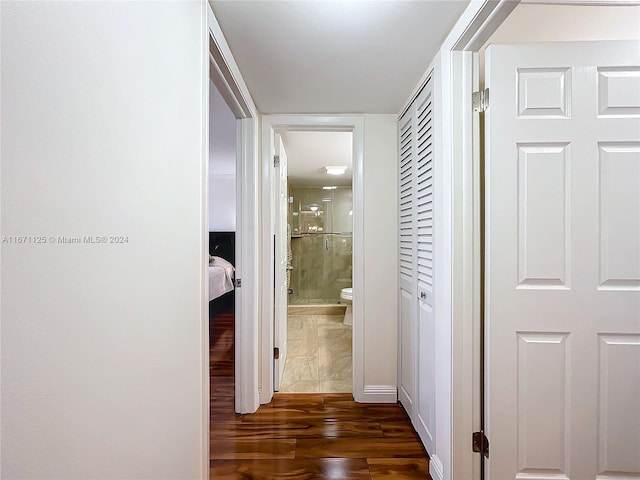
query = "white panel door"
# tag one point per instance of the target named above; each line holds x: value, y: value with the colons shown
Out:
x: 407, y: 331
x: 424, y: 138
x: 563, y: 261
x: 280, y: 270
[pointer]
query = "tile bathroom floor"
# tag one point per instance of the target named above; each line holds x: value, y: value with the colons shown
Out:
x: 319, y: 355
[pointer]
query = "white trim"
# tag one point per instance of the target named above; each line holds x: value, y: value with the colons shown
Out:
x: 443, y: 274
x: 465, y: 312
x: 225, y: 72
x: 227, y: 77
x: 476, y: 25
x: 357, y: 124
x: 435, y: 468
x: 417, y: 89
x: 354, y: 124
x: 591, y: 3
x: 205, y: 403
x: 247, y: 241
x: 266, y: 288
x: 380, y: 394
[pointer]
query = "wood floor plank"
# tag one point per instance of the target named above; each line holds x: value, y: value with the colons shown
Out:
x: 222, y: 403
x: 311, y: 469
x: 399, y: 468
x: 297, y: 400
x: 222, y: 389
x: 233, y: 449
x: 398, y: 429
x: 224, y: 416
x: 302, y: 429
x: 363, y: 448
x: 344, y: 414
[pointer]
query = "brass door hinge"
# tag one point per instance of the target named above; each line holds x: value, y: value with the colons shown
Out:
x: 481, y: 443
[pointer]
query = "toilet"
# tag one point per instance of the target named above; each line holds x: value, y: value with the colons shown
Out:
x: 346, y: 297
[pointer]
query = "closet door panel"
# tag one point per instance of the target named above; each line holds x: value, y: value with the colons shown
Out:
x: 416, y: 362
x: 425, y: 414
x: 407, y: 338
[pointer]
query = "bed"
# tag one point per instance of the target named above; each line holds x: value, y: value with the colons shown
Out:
x: 220, y: 277
x: 221, y: 270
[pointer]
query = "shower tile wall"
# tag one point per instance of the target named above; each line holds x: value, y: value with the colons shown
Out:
x: 321, y: 244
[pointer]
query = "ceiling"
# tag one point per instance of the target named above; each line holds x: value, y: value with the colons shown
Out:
x: 328, y: 56
x: 309, y: 152
x: 332, y: 56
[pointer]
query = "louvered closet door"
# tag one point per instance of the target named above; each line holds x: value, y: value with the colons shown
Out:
x: 407, y: 325
x: 425, y: 415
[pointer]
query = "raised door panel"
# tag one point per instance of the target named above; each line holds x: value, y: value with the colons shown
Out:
x: 407, y: 352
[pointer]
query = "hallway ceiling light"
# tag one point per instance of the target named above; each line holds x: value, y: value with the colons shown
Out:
x: 335, y: 170
x: 313, y: 207
x: 332, y: 187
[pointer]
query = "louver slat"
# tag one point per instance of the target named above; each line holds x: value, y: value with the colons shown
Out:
x: 406, y: 200
x: 424, y: 191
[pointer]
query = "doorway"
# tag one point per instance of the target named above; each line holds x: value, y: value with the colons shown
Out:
x: 225, y: 75
x: 319, y: 263
x: 289, y: 128
x: 222, y: 213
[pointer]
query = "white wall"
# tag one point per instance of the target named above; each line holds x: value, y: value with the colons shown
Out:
x: 222, y: 203
x: 222, y: 164
x: 380, y: 251
x: 562, y: 23
x: 103, y: 134
x: 555, y: 23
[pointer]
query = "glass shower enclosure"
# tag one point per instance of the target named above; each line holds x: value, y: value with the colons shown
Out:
x: 320, y: 220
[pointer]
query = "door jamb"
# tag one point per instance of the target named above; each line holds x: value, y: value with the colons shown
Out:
x: 225, y: 74
x: 355, y: 124
x: 460, y: 77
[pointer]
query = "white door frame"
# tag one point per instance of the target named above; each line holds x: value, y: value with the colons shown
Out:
x: 225, y: 74
x: 270, y: 124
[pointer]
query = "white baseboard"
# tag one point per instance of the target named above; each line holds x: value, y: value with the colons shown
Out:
x: 436, y: 469
x: 380, y: 394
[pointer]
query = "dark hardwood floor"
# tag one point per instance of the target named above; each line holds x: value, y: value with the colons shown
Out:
x: 305, y: 436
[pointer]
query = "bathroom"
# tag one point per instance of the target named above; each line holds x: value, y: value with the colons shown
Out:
x: 319, y: 246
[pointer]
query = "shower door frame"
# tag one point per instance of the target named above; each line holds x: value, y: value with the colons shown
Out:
x: 272, y: 124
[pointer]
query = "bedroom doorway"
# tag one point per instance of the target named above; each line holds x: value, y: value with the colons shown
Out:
x: 230, y: 187
x: 221, y: 219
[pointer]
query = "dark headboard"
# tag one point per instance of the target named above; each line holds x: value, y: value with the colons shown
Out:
x: 223, y: 244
